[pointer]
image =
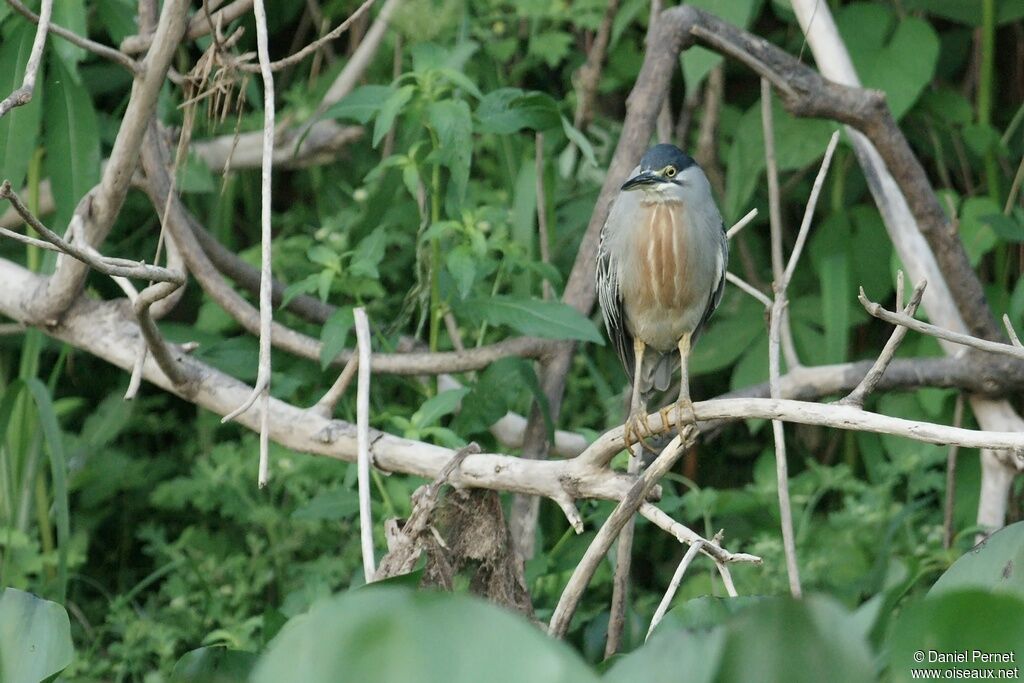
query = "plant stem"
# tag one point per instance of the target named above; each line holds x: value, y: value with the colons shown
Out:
x: 986, y: 77
x: 435, y: 249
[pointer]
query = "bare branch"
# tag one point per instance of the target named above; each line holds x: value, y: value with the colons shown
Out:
x: 673, y: 586
x: 824, y: 415
x: 114, y: 267
x: 903, y: 319
x: 740, y: 224
x: 1011, y: 332
x: 23, y: 95
x: 589, y: 74
x: 360, y: 59
x: 198, y: 27
x: 870, y: 381
x: 749, y: 289
x: 315, y: 45
x: 102, y: 205
x: 609, y: 531
x: 325, y: 406
x: 363, y: 438
x: 623, y: 566
x: 812, y: 202
x: 75, y: 39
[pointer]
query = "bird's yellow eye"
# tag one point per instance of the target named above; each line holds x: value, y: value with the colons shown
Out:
x: 670, y: 172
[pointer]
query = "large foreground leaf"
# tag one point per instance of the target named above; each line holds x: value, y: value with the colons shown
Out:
x: 996, y: 564
x: 35, y: 637
x: 396, y: 634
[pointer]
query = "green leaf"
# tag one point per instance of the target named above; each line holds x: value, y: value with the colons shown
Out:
x: 396, y: 634
x: 19, y: 128
x: 967, y: 11
x: 533, y: 317
x: 389, y: 110
x: 797, y: 641
x: 996, y: 565
x: 976, y: 228
x: 957, y: 622
x: 452, y: 121
x: 830, y: 254
x: 508, y: 110
x: 35, y: 638
x: 71, y: 15
x: 58, y: 474
x: 900, y: 63
x: 698, y: 61
x: 550, y: 46
x: 461, y: 264
x: 436, y: 407
x: 577, y: 137
x: 338, y: 504
x: 362, y: 104
x: 460, y: 80
x: 118, y: 18
x: 726, y: 338
x: 213, y: 665
x: 667, y: 653
x: 369, y: 253
x: 334, y: 334
x: 237, y: 356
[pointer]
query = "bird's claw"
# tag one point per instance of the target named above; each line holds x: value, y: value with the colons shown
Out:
x: 684, y: 415
x: 633, y: 433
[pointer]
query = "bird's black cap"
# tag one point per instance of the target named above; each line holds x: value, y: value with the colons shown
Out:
x: 660, y: 156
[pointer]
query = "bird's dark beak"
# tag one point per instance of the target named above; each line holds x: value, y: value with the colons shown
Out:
x: 645, y: 178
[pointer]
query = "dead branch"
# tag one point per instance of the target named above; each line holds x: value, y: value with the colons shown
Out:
x: 23, y: 95
x: 96, y: 48
x: 871, y: 379
x: 908, y: 321
x: 101, y: 206
x: 198, y: 26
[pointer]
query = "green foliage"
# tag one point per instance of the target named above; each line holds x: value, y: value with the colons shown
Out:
x: 35, y: 637
x: 398, y: 634
x: 176, y: 567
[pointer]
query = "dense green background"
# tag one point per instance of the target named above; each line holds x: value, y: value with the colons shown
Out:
x: 144, y: 520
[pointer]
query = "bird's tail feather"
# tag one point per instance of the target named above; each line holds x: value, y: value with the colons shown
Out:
x: 657, y: 371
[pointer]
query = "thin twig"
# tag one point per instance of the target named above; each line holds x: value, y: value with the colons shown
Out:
x: 23, y: 95
x: 542, y: 210
x: 749, y: 289
x: 623, y: 512
x: 673, y: 586
x: 104, y: 264
x: 951, y: 455
x: 812, y: 201
x: 774, y: 336
x: 740, y: 224
x: 623, y: 564
x: 363, y: 440
x: 325, y: 406
x: 315, y: 45
x: 1014, y: 339
x: 877, y: 311
x: 75, y: 39
x: 266, y: 235
x: 874, y: 375
x: 775, y: 215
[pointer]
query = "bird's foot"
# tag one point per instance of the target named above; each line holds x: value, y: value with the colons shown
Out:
x: 685, y: 416
x: 633, y: 434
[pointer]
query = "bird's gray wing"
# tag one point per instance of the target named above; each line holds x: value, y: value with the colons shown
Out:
x: 715, y: 296
x: 609, y: 296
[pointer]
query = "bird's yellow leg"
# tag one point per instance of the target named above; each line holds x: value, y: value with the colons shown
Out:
x: 684, y: 406
x: 638, y: 407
